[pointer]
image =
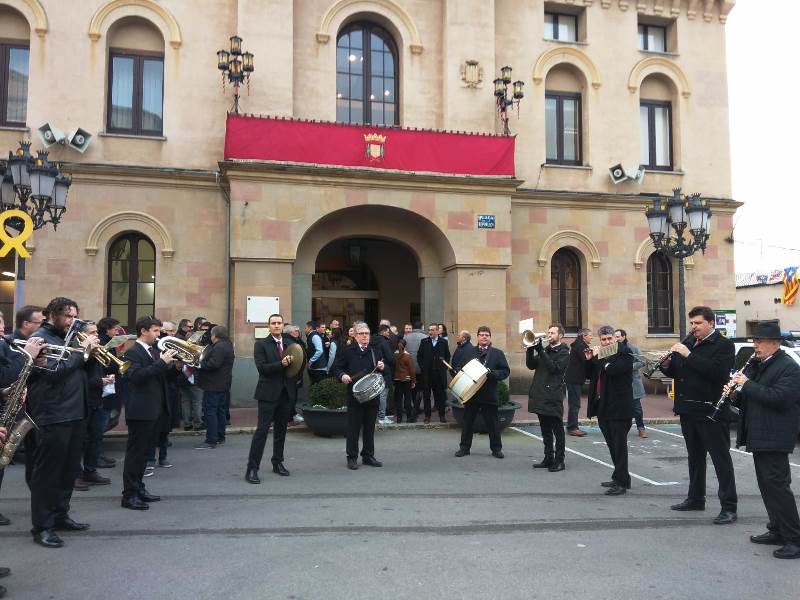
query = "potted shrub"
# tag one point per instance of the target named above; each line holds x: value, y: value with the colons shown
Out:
x: 325, y: 412
x: 505, y: 410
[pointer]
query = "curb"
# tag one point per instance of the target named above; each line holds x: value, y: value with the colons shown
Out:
x: 393, y: 427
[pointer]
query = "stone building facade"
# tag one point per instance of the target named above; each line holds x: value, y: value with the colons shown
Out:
x: 606, y: 82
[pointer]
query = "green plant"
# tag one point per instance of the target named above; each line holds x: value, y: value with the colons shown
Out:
x: 502, y: 394
x: 328, y: 393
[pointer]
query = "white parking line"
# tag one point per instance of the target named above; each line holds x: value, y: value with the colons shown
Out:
x: 732, y: 449
x: 600, y: 462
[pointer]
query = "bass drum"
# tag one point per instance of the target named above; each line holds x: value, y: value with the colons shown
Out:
x: 468, y: 381
x: 368, y: 387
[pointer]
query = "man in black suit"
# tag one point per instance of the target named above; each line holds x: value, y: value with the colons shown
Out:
x: 275, y: 393
x: 432, y: 351
x: 146, y: 408
x: 464, y: 350
x: 611, y: 401
x: 701, y: 366
x: 57, y: 397
x: 353, y: 363
x: 486, y: 400
x: 770, y: 408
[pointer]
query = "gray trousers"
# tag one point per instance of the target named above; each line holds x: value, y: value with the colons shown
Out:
x: 191, y: 405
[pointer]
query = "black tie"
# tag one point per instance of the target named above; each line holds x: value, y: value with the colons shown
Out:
x: 154, y: 353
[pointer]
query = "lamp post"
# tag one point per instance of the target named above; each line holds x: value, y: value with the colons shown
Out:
x: 38, y: 188
x: 236, y: 67
x: 686, y: 215
x: 503, y: 102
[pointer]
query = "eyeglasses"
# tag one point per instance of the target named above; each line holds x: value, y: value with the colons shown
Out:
x: 362, y: 332
x: 34, y: 322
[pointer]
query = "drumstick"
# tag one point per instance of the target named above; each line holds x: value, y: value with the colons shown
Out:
x: 447, y: 364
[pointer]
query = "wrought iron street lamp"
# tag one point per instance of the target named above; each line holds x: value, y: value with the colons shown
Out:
x: 236, y: 67
x: 501, y: 93
x: 683, y: 215
x: 33, y: 185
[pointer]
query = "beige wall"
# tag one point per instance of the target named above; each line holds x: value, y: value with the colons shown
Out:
x: 762, y: 307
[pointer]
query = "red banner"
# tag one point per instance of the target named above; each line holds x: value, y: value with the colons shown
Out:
x: 320, y: 143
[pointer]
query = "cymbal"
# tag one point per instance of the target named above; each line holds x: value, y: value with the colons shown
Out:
x: 298, y: 359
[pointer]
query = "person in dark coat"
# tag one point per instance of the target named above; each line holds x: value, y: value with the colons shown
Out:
x: 486, y: 399
x: 57, y: 398
x: 700, y: 365
x: 214, y: 378
x: 275, y: 394
x: 146, y: 407
x: 353, y: 363
x: 381, y: 344
x: 768, y: 427
x: 464, y: 351
x: 611, y: 401
x: 96, y: 417
x: 546, y: 396
x: 574, y: 378
x: 432, y: 351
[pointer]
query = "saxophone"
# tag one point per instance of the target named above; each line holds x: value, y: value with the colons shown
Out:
x: 15, y: 404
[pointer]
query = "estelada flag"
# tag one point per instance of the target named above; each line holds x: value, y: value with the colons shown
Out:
x: 791, y: 284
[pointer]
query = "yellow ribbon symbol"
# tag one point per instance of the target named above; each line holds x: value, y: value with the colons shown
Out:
x: 16, y: 242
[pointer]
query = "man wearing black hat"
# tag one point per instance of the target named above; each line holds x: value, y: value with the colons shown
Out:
x: 700, y: 365
x: 768, y: 426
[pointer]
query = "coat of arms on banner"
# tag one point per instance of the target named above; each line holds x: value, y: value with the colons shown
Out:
x: 374, y: 149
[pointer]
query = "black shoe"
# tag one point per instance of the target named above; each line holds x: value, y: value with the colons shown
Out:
x: 412, y: 420
x: 352, y: 464
x: 69, y: 524
x: 94, y: 478
x: 3, y: 592
x: 4, y: 520
x: 134, y: 504
x: 442, y: 419
x: 280, y: 469
x: 545, y: 464
x: 4, y: 572
x: 788, y: 551
x: 609, y: 484
x: 48, y: 539
x: 187, y: 427
x: 462, y: 452
x: 80, y: 485
x: 615, y: 490
x: 251, y: 476
x: 770, y: 537
x: 498, y: 454
x: 725, y: 517
x: 689, y: 505
x: 371, y: 461
x: 106, y: 463
x: 107, y: 459
x: 556, y: 467
x: 144, y: 496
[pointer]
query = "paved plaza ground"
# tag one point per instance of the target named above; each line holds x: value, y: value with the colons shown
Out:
x: 425, y: 526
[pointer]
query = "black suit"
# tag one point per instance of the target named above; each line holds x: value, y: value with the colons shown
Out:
x: 361, y: 417
x: 486, y: 400
x: 146, y: 408
x: 276, y: 394
x: 434, y: 373
x: 698, y: 384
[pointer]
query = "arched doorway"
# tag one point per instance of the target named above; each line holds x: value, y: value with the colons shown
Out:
x: 365, y: 278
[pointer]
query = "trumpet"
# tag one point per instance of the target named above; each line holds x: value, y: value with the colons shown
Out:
x: 51, y: 351
x: 529, y: 338
x: 104, y: 356
x: 186, y: 352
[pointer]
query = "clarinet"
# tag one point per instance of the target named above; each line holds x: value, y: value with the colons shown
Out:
x: 725, y: 400
x: 653, y: 367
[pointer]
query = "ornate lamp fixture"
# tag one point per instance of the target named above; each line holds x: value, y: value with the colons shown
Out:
x: 501, y: 95
x: 236, y: 67
x: 685, y: 215
x: 33, y: 185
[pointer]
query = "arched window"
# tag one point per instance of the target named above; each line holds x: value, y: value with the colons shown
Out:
x: 659, y: 294
x: 562, y: 116
x: 565, y: 289
x: 131, y: 279
x: 366, y: 75
x: 655, y: 123
x: 14, y: 51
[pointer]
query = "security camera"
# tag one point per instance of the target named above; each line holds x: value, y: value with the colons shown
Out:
x: 51, y: 135
x: 617, y: 174
x: 79, y: 139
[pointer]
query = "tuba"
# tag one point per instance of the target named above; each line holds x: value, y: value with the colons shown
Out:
x: 16, y: 430
x: 186, y: 352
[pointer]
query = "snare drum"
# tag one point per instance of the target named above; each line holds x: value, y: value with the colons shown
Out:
x: 368, y: 387
x: 468, y: 381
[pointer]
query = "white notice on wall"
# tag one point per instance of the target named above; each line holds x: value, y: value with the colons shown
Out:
x: 259, y: 308
x: 526, y: 325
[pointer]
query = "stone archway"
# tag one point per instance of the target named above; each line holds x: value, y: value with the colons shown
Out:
x: 410, y: 232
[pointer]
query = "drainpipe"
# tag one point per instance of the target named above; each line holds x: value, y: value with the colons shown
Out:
x: 228, y: 244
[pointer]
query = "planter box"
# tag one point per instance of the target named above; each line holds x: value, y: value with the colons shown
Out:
x: 505, y: 414
x: 325, y: 421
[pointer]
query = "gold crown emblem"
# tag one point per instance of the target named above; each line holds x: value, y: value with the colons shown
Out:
x: 374, y: 137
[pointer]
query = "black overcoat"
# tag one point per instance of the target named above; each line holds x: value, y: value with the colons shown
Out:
x: 495, y: 361
x: 613, y: 398
x: 147, y: 385
x: 546, y: 395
